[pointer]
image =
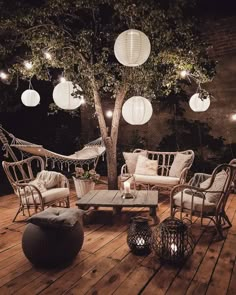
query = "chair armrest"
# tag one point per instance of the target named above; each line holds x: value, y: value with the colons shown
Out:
x: 198, y: 178
x: 25, y: 190
x: 181, y: 187
x: 64, y: 182
x: 184, y: 174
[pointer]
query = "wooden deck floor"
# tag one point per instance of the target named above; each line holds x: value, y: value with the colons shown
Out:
x: 106, y: 266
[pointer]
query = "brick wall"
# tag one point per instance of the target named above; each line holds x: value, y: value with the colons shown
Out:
x: 221, y: 33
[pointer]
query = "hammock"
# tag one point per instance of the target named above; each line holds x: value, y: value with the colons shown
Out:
x: 88, y: 155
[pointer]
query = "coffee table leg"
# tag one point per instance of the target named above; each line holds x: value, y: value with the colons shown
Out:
x: 153, y: 214
x: 117, y: 209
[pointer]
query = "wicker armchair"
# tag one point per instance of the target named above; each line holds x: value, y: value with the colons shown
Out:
x: 22, y: 177
x: 205, y: 196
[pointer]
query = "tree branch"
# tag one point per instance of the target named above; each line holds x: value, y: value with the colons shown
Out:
x: 99, y: 111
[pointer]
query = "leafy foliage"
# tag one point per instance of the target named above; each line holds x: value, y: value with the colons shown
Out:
x: 80, y: 37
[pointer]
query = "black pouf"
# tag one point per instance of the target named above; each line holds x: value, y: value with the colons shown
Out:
x: 55, y: 241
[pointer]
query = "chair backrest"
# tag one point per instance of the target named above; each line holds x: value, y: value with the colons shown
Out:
x: 233, y: 162
x: 166, y: 159
x: 230, y: 172
x: 23, y: 171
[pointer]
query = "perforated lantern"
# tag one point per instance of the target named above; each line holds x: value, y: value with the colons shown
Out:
x: 137, y: 110
x: 132, y: 48
x: 198, y: 104
x: 30, y: 98
x: 64, y: 98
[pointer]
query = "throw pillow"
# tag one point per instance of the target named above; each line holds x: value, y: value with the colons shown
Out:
x: 57, y: 217
x: 180, y: 162
x: 131, y: 160
x: 146, y: 166
x: 50, y: 179
x: 213, y: 193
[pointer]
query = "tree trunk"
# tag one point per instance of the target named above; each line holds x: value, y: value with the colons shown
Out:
x: 110, y: 141
x: 111, y: 152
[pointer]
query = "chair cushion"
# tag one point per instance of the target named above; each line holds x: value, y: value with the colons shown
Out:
x: 180, y: 162
x: 48, y: 196
x: 214, y: 192
x: 146, y: 166
x: 156, y: 180
x: 197, y: 202
x: 131, y: 160
x: 57, y: 217
x: 39, y: 184
x: 50, y: 178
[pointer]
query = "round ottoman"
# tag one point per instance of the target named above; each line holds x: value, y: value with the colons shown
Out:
x: 53, y: 237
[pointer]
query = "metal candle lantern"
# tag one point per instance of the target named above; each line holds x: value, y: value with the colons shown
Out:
x: 139, y: 236
x: 172, y: 240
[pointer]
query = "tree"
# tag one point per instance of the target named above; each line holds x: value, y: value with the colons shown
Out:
x: 80, y: 37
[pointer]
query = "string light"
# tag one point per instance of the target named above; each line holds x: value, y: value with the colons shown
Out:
x: 233, y: 117
x: 28, y: 65
x: 82, y: 100
x: 109, y: 114
x: 47, y: 55
x: 62, y: 79
x: 183, y: 74
x: 3, y: 75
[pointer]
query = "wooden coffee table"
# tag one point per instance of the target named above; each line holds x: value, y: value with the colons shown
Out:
x: 113, y: 198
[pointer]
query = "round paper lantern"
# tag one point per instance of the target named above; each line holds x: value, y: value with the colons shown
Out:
x: 132, y: 48
x: 199, y: 105
x: 63, y: 98
x: 137, y: 110
x: 30, y: 98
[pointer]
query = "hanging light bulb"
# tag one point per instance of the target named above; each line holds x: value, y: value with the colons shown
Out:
x: 109, y: 114
x: 62, y: 79
x: 3, y: 75
x: 47, y: 55
x: 233, y: 117
x: 183, y: 74
x: 28, y: 65
x: 82, y: 100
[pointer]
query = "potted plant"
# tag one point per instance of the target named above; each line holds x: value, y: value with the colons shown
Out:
x: 84, y: 180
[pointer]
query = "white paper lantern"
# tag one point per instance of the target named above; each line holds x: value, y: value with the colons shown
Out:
x: 63, y: 98
x: 132, y: 48
x: 199, y: 105
x: 137, y: 110
x: 30, y: 98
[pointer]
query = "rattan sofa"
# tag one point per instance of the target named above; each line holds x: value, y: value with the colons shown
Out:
x: 164, y: 176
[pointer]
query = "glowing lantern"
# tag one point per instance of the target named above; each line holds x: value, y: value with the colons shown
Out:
x: 132, y: 48
x: 198, y: 104
x: 30, y: 98
x: 137, y: 110
x: 64, y: 98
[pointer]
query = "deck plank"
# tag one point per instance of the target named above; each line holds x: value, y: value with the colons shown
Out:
x: 105, y: 264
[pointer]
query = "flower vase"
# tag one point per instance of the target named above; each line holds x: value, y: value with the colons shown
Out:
x: 83, y: 186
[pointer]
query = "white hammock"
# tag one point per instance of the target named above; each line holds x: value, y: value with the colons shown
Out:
x: 88, y: 155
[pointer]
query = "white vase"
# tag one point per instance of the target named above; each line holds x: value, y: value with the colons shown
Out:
x: 82, y: 187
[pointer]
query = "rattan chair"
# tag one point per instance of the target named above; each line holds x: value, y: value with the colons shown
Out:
x: 20, y: 175
x: 205, y: 196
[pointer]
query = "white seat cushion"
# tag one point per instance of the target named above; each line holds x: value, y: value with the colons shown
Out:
x: 48, y: 196
x: 197, y: 201
x: 156, y: 179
